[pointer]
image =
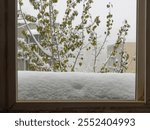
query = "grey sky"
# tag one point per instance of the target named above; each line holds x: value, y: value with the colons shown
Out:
x: 122, y: 9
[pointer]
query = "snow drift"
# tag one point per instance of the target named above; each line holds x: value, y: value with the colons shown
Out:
x: 75, y: 86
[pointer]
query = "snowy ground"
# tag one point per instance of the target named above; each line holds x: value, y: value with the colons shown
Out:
x: 75, y: 86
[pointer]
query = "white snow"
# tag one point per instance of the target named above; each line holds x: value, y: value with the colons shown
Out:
x: 21, y: 40
x: 75, y: 86
x: 33, y: 31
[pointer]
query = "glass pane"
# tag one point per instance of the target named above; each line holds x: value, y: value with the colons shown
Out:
x: 76, y: 50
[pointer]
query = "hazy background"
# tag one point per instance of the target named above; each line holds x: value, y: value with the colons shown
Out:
x: 122, y: 9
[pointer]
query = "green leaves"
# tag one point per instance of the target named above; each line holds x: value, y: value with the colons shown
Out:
x: 20, y: 2
x: 78, y: 1
x: 75, y: 13
x: 30, y: 18
x: 66, y: 40
x: 65, y: 61
x: 109, y: 5
x: 35, y: 4
x: 121, y: 66
x: 94, y: 27
x: 54, y: 1
x: 97, y: 20
x: 80, y: 63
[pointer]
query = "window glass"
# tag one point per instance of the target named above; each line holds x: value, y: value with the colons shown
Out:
x: 76, y: 50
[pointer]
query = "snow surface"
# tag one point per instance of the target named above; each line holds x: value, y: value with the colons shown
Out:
x: 75, y: 86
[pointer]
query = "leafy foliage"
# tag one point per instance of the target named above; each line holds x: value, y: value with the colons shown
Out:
x: 66, y: 41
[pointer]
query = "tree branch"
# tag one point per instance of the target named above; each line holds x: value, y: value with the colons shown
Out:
x: 29, y: 29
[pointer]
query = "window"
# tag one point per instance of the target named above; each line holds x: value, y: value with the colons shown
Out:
x: 85, y: 46
x: 10, y: 86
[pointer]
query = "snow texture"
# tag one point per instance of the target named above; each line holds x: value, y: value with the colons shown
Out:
x: 75, y: 86
x: 33, y: 31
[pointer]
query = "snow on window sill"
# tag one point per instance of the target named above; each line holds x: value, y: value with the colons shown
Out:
x: 74, y: 86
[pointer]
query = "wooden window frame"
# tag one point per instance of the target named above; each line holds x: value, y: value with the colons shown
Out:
x: 8, y: 78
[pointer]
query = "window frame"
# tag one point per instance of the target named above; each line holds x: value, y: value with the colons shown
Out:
x: 8, y: 75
